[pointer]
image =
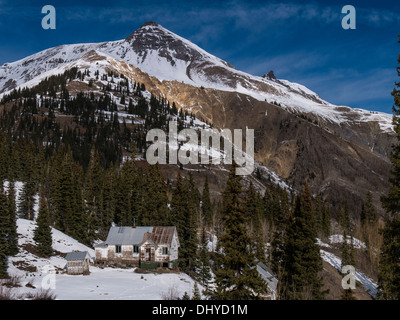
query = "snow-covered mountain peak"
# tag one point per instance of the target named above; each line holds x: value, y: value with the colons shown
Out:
x: 152, y: 40
x: 170, y: 57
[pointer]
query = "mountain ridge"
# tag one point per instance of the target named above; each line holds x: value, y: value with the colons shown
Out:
x: 169, y: 57
x: 342, y: 152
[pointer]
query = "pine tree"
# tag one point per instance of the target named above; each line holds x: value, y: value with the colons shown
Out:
x: 155, y: 199
x: 27, y: 199
x: 347, y: 251
x: 42, y: 233
x: 185, y: 296
x: 184, y: 218
x: 206, y: 204
x: 62, y: 185
x: 196, y: 292
x: 3, y: 157
x: 302, y: 261
x: 204, y: 272
x: 236, y: 276
x: 279, y: 208
x: 107, y: 205
x: 4, y: 225
x: 369, y: 225
x: 318, y: 211
x: 253, y: 207
x: 368, y: 212
x: 93, y: 193
x: 344, y: 217
x: 67, y: 198
x: 389, y: 267
x: 12, y: 228
x: 326, y: 220
x: 122, y: 194
x: 194, y: 197
x: 78, y: 222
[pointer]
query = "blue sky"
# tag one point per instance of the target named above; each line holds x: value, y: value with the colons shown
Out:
x: 302, y: 41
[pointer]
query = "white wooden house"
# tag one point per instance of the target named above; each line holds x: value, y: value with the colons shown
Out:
x: 146, y: 247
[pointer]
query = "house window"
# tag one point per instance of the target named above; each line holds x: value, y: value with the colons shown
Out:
x: 135, y: 249
x: 118, y: 249
x: 164, y: 250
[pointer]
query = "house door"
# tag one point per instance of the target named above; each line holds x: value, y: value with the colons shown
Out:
x: 148, y: 254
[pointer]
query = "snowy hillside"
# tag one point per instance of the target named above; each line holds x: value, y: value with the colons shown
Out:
x: 101, y: 284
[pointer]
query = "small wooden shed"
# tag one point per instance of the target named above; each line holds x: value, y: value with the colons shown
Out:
x: 78, y: 262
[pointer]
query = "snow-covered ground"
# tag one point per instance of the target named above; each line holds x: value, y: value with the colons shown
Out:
x: 101, y: 284
x: 121, y: 284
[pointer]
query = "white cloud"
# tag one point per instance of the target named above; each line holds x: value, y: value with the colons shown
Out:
x: 378, y: 18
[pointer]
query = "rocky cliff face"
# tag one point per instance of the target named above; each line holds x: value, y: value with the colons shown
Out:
x: 340, y: 161
x: 341, y: 152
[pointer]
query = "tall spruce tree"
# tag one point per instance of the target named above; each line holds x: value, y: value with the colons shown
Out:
x: 107, y: 205
x: 42, y: 234
x: 369, y: 223
x: 4, y: 229
x: 155, y: 199
x: 206, y: 204
x: 93, y: 193
x: 253, y: 207
x: 183, y: 217
x: 27, y: 199
x: 389, y: 266
x: 122, y: 195
x: 12, y: 229
x: 368, y: 210
x: 278, y: 204
x: 196, y: 292
x: 302, y: 260
x: 344, y: 217
x: 326, y: 220
x: 204, y: 268
x: 236, y: 276
x: 69, y: 212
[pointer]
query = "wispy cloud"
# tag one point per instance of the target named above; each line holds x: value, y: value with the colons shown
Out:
x: 378, y: 18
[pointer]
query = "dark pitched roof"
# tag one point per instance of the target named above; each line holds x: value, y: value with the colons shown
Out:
x: 163, y: 235
x: 77, y: 256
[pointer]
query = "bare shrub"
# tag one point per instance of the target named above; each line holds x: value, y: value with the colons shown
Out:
x: 43, y: 294
x: 12, y: 281
x: 171, y: 294
x: 7, y: 293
